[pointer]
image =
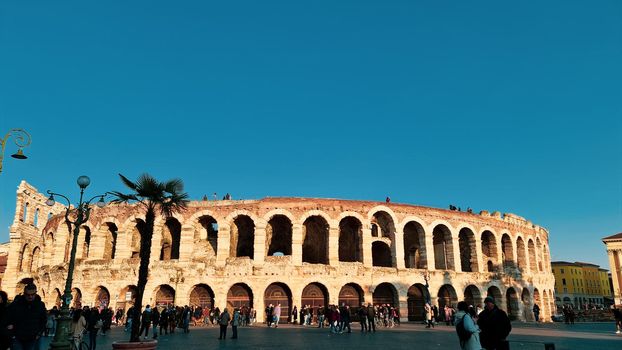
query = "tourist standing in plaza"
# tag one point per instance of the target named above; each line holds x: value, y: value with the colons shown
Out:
x: 155, y: 321
x: 94, y: 323
x: 371, y: 318
x: 362, y: 313
x: 27, y: 317
x: 468, y: 332
x: 78, y: 327
x: 617, y: 316
x: 536, y: 312
x: 294, y: 315
x: 145, y: 322
x: 223, y: 321
x: 494, y: 324
x: 235, y: 322
x: 269, y: 310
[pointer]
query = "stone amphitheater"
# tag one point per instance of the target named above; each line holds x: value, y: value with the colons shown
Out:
x: 293, y: 251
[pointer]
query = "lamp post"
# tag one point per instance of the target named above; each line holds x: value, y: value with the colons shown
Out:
x: 426, y: 278
x: 22, y: 139
x: 82, y: 212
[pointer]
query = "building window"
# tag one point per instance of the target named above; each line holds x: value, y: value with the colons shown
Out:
x: 562, y: 270
x: 564, y: 282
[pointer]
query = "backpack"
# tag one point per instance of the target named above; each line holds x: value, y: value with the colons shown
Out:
x: 463, y: 334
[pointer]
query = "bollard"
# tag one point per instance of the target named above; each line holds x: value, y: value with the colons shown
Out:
x: 549, y: 346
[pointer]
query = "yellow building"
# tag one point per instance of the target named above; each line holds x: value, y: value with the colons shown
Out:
x: 581, y: 284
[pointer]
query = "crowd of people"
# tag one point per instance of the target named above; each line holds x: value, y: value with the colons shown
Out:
x: 24, y: 321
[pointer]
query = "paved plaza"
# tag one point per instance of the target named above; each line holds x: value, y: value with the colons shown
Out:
x: 524, y: 336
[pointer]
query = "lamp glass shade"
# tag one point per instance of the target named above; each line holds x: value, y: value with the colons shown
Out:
x: 50, y: 202
x: 83, y: 181
x: 100, y: 203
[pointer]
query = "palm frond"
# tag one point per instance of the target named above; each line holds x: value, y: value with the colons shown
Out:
x: 127, y: 182
x: 122, y: 197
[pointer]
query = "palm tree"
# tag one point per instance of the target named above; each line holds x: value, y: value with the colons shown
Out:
x: 164, y: 197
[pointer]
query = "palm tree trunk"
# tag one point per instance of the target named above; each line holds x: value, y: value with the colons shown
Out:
x: 143, y: 271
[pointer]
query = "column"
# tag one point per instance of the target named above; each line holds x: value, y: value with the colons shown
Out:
x: 333, y: 245
x: 399, y: 251
x: 367, y: 258
x: 429, y: 252
x: 614, y: 259
x: 297, y: 245
x: 224, y: 243
x: 259, y: 246
x: 186, y: 243
x: 455, y: 243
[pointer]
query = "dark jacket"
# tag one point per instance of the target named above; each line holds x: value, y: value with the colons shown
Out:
x: 371, y: 313
x: 495, y: 326
x: 91, y: 320
x: 224, y: 318
x: 28, y: 318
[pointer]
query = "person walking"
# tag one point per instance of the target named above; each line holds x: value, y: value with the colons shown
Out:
x: 495, y: 326
x: 294, y: 315
x: 371, y: 318
x: 277, y: 315
x: 94, y: 323
x: 536, y: 312
x: 78, y: 327
x: 155, y: 321
x: 235, y: 322
x: 269, y: 310
x: 145, y: 321
x: 468, y: 332
x: 27, y: 317
x: 617, y: 315
x: 362, y: 314
x: 223, y: 321
x: 428, y: 316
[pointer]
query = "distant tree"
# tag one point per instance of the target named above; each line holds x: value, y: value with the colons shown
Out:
x: 166, y: 198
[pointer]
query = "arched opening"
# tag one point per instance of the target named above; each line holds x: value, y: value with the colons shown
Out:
x: 374, y: 230
x: 24, y: 258
x: 279, y: 293
x: 352, y: 295
x: 242, y: 237
x: 315, y: 240
x: 110, y: 243
x: 380, y: 254
x: 520, y: 254
x: 527, y: 309
x: 205, y: 238
x: 35, y: 260
x: 468, y: 252
x: 25, y: 212
x: 86, y: 245
x: 202, y: 295
x: 414, y: 246
x: 48, y: 249
x: 135, y: 238
x: 238, y: 296
x: 495, y: 293
x: 102, y: 297
x: 489, y: 250
x: 350, y: 239
x: 76, y: 298
x: 315, y: 294
x: 508, y: 251
x: 539, y: 252
x: 416, y: 301
x: 446, y: 296
x: 279, y: 235
x: 127, y: 297
x: 35, y: 221
x: 473, y: 296
x: 385, y: 293
x: 511, y: 300
x: 171, y: 237
x: 164, y: 295
x: 443, y: 248
x: 533, y: 264
x: 536, y: 297
x: 386, y: 229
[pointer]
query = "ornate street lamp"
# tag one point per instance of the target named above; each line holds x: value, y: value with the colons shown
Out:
x: 22, y: 139
x: 426, y: 278
x: 81, y: 214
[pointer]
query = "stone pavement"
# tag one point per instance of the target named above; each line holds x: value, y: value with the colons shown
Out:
x: 593, y: 336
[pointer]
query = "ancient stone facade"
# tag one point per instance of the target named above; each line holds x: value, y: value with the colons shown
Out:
x: 293, y: 251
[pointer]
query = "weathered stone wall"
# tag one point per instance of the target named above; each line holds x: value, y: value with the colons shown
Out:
x: 219, y: 249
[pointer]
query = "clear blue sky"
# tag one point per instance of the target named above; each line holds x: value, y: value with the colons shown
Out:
x: 515, y: 107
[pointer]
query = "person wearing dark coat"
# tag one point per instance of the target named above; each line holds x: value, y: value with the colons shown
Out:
x: 362, y: 313
x: 26, y: 319
x: 371, y: 315
x: 494, y: 324
x: 155, y: 321
x: 92, y: 317
x: 223, y: 321
x: 5, y: 341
